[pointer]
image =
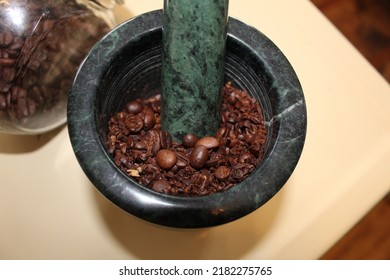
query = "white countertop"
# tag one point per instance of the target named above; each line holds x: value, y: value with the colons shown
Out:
x: 50, y: 210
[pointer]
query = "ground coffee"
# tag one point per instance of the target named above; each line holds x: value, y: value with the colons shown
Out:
x: 197, y: 166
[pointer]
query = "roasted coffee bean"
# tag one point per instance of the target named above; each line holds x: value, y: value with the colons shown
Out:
x: 161, y: 186
x: 189, y: 140
x: 6, y: 38
x: 222, y: 172
x: 134, y: 107
x: 7, y: 62
x: 199, y: 156
x: 8, y: 74
x: 134, y: 123
x: 32, y: 106
x: 3, y: 102
x: 209, y: 142
x: 166, y: 139
x: 166, y: 159
x: 153, y: 140
x: 149, y: 119
x: 182, y: 160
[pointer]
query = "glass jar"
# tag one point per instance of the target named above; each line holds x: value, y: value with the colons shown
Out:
x: 42, y: 44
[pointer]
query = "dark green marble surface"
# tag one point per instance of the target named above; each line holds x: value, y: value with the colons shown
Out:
x: 194, y: 40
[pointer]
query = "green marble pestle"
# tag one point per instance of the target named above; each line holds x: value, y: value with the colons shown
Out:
x: 193, y: 61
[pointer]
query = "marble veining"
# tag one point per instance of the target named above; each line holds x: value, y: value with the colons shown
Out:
x: 285, y: 112
x: 194, y: 41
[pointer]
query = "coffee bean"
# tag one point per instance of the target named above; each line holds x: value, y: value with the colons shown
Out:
x: 149, y: 119
x: 189, y: 140
x: 22, y: 108
x: 182, y: 160
x: 134, y: 107
x: 8, y: 74
x: 153, y: 140
x: 199, y: 156
x: 166, y: 159
x: 222, y: 172
x: 7, y: 62
x: 17, y: 44
x: 3, y: 103
x: 6, y: 38
x: 31, y: 106
x: 161, y: 186
x: 166, y: 139
x: 134, y: 123
x: 209, y: 142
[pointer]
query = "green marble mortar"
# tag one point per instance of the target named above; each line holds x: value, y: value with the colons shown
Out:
x: 126, y: 64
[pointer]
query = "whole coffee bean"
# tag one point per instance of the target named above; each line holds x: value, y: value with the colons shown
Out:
x: 6, y: 61
x: 166, y: 159
x: 3, y: 102
x: 166, y: 139
x: 149, y: 119
x: 22, y: 108
x: 222, y: 172
x: 6, y: 38
x: 209, y: 142
x: 161, y: 186
x: 199, y: 156
x: 134, y: 107
x: 189, y: 140
x: 154, y: 140
x: 8, y: 74
x: 182, y: 160
x: 32, y: 106
x: 134, y: 123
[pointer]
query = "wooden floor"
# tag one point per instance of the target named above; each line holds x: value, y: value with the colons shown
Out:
x: 366, y: 23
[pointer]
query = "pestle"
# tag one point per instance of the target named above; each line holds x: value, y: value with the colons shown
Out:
x: 193, y: 62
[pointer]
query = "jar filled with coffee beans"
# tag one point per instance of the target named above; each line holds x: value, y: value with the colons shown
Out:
x: 42, y: 44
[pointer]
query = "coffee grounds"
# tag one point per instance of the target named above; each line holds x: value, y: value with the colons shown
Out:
x: 197, y: 166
